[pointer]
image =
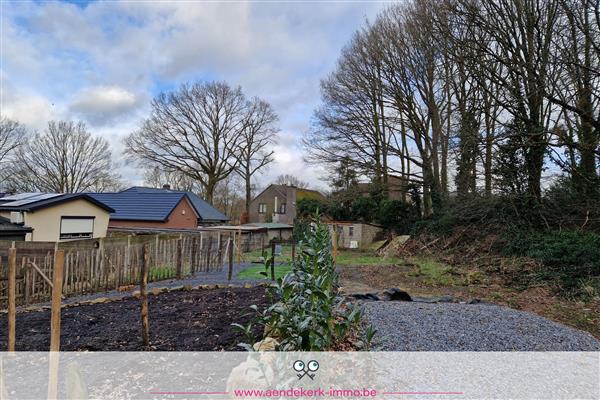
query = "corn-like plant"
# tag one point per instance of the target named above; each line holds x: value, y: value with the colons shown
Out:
x: 307, y: 313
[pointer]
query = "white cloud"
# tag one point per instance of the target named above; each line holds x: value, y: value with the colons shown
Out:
x: 30, y: 109
x: 103, y: 62
x: 102, y: 104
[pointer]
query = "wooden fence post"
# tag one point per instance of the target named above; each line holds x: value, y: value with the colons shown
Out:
x: 102, y: 263
x: 208, y: 250
x: 128, y: 259
x: 53, y: 361
x: 156, y: 245
x: 193, y: 253
x: 273, y: 261
x: 144, y: 297
x: 335, y: 243
x: 219, y: 251
x: 230, y: 256
x: 179, y: 262
x: 57, y: 283
x: 239, y: 248
x: 12, y: 297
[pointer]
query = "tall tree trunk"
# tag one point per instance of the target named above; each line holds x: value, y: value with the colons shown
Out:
x: 248, y: 191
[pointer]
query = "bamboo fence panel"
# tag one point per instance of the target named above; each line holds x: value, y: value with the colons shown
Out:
x: 97, y: 265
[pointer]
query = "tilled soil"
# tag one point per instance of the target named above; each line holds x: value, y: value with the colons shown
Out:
x: 198, y: 320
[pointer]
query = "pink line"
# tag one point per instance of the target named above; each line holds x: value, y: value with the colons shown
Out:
x: 432, y: 393
x: 184, y: 393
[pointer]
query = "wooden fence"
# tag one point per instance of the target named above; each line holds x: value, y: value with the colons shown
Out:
x: 97, y: 265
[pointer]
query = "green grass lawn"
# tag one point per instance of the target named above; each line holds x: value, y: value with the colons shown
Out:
x: 255, y: 256
x: 357, y: 257
x: 345, y: 257
x: 434, y: 272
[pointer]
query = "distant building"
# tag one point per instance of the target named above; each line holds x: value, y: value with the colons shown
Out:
x: 277, y: 203
x: 354, y: 235
x: 52, y: 217
x: 275, y: 230
x: 152, y: 208
x: 397, y: 188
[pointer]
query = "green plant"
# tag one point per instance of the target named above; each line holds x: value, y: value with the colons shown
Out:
x: 161, y: 272
x: 307, y: 206
x: 369, y: 334
x: 396, y: 215
x: 571, y: 258
x: 307, y: 313
x: 247, y: 331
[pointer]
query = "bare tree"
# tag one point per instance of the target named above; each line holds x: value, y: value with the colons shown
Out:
x: 158, y: 178
x: 576, y: 53
x: 509, y: 86
x: 12, y: 135
x: 516, y: 55
x: 229, y: 197
x: 291, y: 180
x: 66, y: 158
x: 352, y: 123
x: 253, y: 150
x: 415, y: 83
x: 195, y: 131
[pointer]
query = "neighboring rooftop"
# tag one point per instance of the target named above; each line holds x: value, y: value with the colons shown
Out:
x: 8, y: 227
x: 140, y: 207
x: 36, y: 201
x: 300, y: 192
x: 152, y: 204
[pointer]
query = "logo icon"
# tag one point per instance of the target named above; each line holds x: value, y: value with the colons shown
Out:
x: 305, y: 369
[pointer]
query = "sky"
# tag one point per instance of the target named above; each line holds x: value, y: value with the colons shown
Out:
x: 103, y: 62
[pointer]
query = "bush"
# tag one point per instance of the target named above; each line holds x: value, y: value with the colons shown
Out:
x: 397, y: 215
x: 309, y: 315
x: 364, y: 209
x: 570, y: 257
x: 307, y: 207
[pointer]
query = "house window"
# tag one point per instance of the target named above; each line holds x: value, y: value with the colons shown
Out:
x: 262, y: 208
x: 282, y: 208
x: 350, y: 231
x: 76, y: 227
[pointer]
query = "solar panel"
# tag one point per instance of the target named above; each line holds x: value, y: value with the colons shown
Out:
x: 44, y: 196
x: 31, y: 198
x: 20, y: 196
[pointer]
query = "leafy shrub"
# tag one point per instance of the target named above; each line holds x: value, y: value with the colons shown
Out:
x: 396, y: 215
x: 364, y: 209
x: 568, y: 256
x: 309, y: 315
x: 338, y: 211
x: 301, y: 228
x: 307, y: 207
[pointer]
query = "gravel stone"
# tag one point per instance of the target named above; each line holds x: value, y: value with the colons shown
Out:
x: 409, y: 326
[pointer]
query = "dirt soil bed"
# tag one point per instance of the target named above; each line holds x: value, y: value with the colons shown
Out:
x: 198, y: 320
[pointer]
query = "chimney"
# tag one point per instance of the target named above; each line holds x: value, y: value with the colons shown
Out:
x: 166, y: 186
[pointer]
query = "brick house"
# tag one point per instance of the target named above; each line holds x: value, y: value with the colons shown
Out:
x: 277, y: 203
x: 147, y: 208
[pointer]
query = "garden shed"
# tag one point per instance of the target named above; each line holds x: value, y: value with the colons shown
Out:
x: 354, y: 234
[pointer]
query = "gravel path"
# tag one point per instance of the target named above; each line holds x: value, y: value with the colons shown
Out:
x: 411, y: 326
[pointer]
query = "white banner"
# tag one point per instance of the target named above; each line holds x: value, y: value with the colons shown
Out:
x: 353, y: 375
